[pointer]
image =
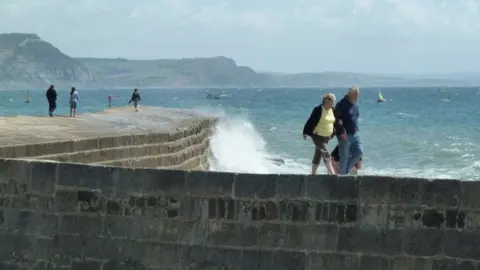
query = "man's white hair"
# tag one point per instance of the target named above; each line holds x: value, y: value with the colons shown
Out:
x: 353, y: 89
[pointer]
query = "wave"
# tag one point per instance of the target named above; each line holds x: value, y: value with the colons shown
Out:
x: 238, y: 147
x: 405, y: 115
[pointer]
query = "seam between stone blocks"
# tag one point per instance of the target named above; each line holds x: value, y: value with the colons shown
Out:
x: 123, y: 147
x: 185, y: 150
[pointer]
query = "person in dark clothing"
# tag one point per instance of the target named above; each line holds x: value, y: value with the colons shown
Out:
x: 135, y: 99
x: 51, y: 95
x: 346, y: 128
x: 320, y: 128
x: 336, y: 161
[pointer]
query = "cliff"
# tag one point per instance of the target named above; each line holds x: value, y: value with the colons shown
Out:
x: 215, y: 71
x: 27, y: 60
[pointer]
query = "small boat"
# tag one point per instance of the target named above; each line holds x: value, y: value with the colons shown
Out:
x: 210, y: 96
x: 380, y: 97
x: 27, y: 97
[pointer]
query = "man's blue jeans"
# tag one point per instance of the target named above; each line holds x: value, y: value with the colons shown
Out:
x: 350, y: 152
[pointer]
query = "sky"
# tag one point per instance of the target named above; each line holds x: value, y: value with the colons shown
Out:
x: 370, y: 36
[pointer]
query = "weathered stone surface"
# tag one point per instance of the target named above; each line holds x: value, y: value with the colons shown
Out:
x: 424, y: 242
x: 86, y: 264
x: 469, y: 194
x: 449, y: 264
x: 16, y: 171
x: 273, y: 260
x: 120, y: 218
x: 231, y: 234
x: 209, y: 184
x: 442, y: 193
x: 77, y: 216
x: 165, y: 138
x: 387, y: 190
x: 255, y: 186
x: 463, y: 245
x: 291, y: 186
x: 375, y: 263
x: 83, y: 176
x: 332, y: 188
x: 80, y: 224
x: 28, y: 222
x: 411, y: 263
x: 387, y: 242
x: 43, y: 176
x: 333, y: 261
x: 112, y: 126
x: 162, y: 182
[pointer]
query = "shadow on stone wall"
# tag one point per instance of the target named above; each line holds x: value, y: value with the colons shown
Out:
x: 74, y: 216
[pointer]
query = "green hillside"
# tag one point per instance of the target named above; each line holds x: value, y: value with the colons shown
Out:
x: 215, y: 71
x: 27, y: 61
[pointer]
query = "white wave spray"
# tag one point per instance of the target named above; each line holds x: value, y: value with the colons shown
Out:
x: 238, y: 147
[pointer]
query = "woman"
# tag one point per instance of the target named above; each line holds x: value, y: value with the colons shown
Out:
x: 336, y: 160
x: 73, y: 101
x: 319, y: 127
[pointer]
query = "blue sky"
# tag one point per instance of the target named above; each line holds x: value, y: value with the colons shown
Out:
x: 374, y: 36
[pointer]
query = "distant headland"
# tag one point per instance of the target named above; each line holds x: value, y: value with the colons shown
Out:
x: 27, y: 61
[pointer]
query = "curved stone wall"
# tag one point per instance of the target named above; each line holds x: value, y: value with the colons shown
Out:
x: 76, y: 216
x: 117, y: 137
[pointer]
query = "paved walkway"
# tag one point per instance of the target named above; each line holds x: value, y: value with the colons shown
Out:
x: 115, y: 121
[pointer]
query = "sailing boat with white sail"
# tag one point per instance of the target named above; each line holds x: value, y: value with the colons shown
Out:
x: 380, y: 97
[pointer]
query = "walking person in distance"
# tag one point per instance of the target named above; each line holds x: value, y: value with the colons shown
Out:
x: 320, y: 128
x: 346, y: 128
x: 73, y: 101
x: 51, y: 95
x: 135, y: 99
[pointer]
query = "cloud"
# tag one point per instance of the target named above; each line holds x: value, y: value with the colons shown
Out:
x: 405, y: 17
x: 325, y: 33
x: 454, y: 18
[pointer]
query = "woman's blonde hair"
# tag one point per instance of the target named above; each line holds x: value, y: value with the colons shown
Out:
x: 328, y: 97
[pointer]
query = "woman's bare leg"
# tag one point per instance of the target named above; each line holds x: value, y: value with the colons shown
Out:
x: 328, y: 164
x: 314, y: 169
x: 335, y: 167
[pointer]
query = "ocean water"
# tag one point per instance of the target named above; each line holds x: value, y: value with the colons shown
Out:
x: 417, y: 132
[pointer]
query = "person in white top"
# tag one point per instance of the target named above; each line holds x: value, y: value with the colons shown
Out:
x: 73, y: 101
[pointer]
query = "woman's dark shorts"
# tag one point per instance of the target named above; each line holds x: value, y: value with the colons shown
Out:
x: 321, y: 149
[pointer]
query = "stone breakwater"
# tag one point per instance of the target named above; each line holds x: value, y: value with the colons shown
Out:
x: 64, y: 210
x: 77, y: 216
x: 153, y: 138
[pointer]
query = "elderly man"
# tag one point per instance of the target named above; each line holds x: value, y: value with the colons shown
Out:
x: 346, y: 128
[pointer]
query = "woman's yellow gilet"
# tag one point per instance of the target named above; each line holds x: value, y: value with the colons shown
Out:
x: 325, y: 125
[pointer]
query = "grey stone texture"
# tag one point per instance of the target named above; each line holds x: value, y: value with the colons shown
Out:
x: 99, y: 202
x: 57, y: 215
x: 151, y: 138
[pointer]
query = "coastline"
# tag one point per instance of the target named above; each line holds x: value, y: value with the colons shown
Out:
x: 268, y: 87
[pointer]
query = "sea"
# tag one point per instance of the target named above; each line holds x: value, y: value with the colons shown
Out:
x: 417, y: 132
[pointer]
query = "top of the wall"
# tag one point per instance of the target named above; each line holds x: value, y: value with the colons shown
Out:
x: 21, y: 130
